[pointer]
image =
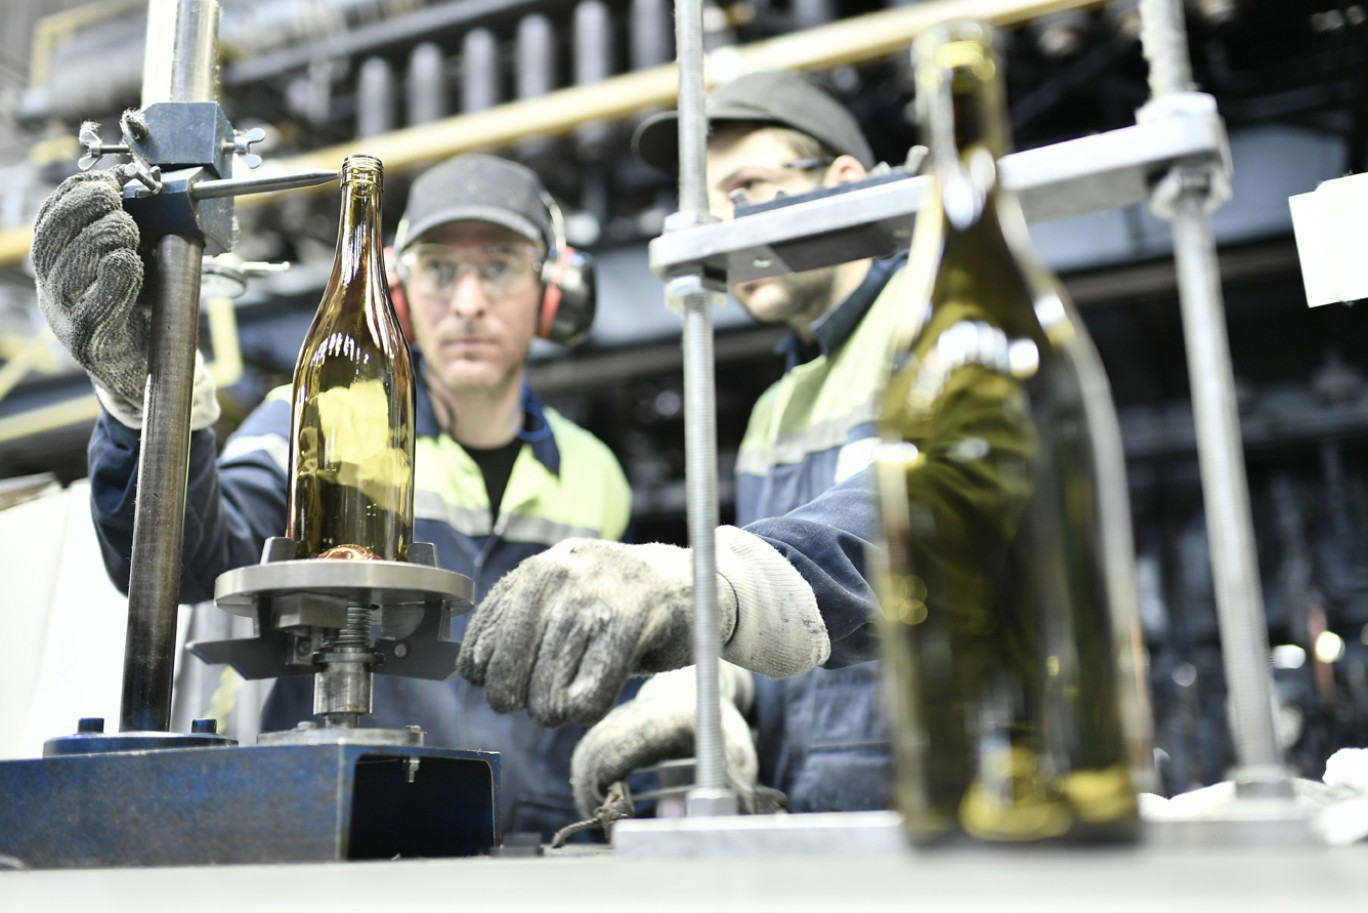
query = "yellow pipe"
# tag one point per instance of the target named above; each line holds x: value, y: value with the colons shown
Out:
x: 21, y: 361
x: 33, y: 349
x: 226, y: 368
x: 50, y: 29
x: 35, y: 421
x: 848, y: 41
x: 856, y: 40
x: 15, y: 244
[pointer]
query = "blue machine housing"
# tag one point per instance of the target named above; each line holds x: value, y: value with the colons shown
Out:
x: 258, y: 804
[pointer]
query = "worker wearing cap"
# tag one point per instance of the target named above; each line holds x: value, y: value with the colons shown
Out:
x: 498, y: 476
x: 792, y: 590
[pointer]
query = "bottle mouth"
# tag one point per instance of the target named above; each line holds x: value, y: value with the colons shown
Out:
x: 361, y: 165
x: 955, y: 31
x: 960, y: 47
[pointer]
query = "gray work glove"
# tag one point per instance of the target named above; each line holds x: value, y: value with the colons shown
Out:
x: 89, y: 276
x: 658, y: 725
x: 561, y: 633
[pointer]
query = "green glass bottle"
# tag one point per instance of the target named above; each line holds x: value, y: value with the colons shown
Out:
x: 1009, y: 604
x: 352, y: 431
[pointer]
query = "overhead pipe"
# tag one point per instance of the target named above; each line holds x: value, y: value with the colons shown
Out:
x: 810, y: 14
x: 260, y: 40
x: 426, y: 84
x: 480, y: 85
x: 853, y: 41
x: 857, y: 40
x: 652, y: 41
x: 376, y: 99
x: 534, y: 76
x: 592, y: 46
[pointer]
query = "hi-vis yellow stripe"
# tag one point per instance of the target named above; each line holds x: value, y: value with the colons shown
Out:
x: 589, y: 497
x: 815, y: 407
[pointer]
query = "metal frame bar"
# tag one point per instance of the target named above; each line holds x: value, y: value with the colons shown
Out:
x: 1090, y: 174
x: 182, y: 61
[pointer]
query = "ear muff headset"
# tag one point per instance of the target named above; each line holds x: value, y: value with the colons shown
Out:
x: 569, y: 291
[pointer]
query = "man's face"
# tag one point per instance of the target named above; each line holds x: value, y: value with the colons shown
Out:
x: 474, y: 293
x: 753, y: 161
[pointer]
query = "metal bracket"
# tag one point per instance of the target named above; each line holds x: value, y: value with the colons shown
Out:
x: 871, y: 219
x: 180, y: 178
x: 1210, y: 174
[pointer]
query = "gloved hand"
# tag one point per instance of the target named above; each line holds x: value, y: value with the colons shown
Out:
x: 560, y: 634
x: 658, y: 725
x: 89, y: 276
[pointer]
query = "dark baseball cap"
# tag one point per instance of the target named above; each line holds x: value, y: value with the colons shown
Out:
x: 785, y: 98
x: 477, y: 188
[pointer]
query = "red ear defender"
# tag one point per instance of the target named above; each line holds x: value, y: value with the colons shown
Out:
x: 551, y: 291
x: 569, y: 297
x: 396, y: 290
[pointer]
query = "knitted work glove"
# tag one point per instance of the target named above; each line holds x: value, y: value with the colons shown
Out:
x: 560, y: 634
x: 89, y: 276
x: 658, y: 725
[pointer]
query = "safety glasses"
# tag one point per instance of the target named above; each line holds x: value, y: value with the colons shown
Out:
x: 434, y: 270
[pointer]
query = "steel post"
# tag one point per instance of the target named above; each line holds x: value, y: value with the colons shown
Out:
x: 710, y: 795
x: 182, y: 65
x: 1220, y: 451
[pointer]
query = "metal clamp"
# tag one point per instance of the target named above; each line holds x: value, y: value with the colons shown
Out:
x: 1211, y: 174
x: 298, y: 605
x: 179, y: 178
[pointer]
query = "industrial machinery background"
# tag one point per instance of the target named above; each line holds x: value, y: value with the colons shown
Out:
x: 424, y: 75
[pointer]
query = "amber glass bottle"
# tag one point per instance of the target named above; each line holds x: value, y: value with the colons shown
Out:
x: 351, y: 436
x: 1008, y: 597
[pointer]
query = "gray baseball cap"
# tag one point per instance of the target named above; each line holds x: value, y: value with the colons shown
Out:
x: 786, y: 98
x: 478, y: 188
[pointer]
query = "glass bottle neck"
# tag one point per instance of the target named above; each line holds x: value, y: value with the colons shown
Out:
x: 964, y: 108
x: 358, y: 237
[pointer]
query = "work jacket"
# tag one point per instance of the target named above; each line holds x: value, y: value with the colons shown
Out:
x: 564, y: 483
x: 807, y: 453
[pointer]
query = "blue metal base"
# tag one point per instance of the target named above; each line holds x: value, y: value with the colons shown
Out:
x: 260, y: 804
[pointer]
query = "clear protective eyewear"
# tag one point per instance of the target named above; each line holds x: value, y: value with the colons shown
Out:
x: 762, y: 187
x: 434, y: 270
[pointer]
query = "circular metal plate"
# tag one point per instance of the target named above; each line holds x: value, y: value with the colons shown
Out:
x: 381, y: 584
x: 411, y: 737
